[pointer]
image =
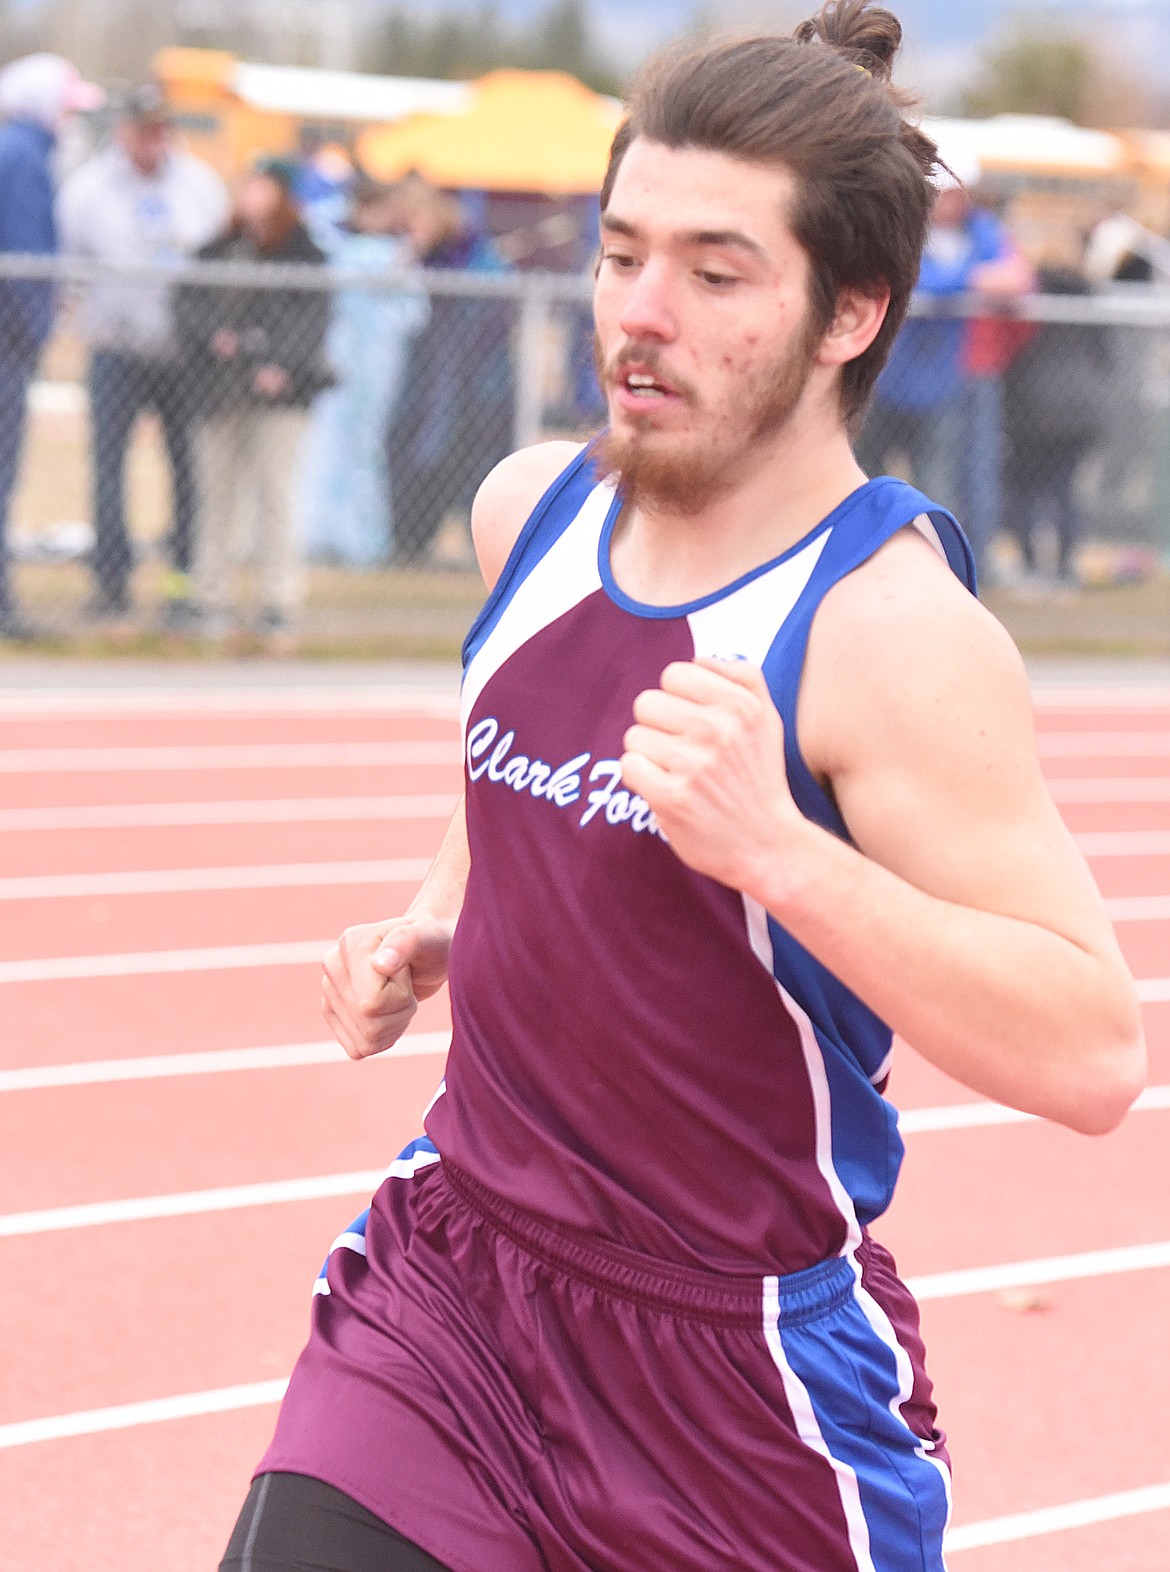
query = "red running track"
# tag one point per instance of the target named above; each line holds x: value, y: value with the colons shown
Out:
x: 1054, y: 1392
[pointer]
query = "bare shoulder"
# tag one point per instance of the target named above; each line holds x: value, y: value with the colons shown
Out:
x: 508, y: 495
x: 901, y: 654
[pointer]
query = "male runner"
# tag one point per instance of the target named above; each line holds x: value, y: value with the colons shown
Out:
x: 750, y: 781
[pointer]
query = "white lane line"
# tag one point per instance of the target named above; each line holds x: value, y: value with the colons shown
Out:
x: 1053, y: 1520
x: 1104, y: 698
x: 170, y: 881
x: 125, y: 1416
x: 231, y: 957
x: 228, y: 756
x: 1103, y: 744
x: 218, y: 1061
x: 1128, y: 788
x: 262, y: 1394
x: 378, y: 699
x: 1138, y: 908
x: 188, y: 1203
x: 1124, y: 843
x: 272, y: 810
x: 235, y: 957
x: 975, y: 1116
x: 1047, y: 1269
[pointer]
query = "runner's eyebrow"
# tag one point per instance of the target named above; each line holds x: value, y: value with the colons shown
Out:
x: 734, y: 239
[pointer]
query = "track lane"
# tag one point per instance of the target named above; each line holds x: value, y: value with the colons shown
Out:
x: 155, y: 1137
x: 415, y: 831
x: 185, y: 1012
x: 161, y: 1499
x: 218, y: 785
x: 1137, y: 1544
x: 1055, y: 1404
x: 258, y: 999
x: 192, y: 920
x: 166, y: 728
x: 1016, y: 1191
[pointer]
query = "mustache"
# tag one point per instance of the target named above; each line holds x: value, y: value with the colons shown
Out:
x: 647, y: 356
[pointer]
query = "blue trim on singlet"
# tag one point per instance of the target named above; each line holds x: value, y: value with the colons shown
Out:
x: 855, y: 1045
x: 641, y: 608
x: 547, y: 522
x: 849, y: 1034
x: 890, y: 505
x: 842, y: 1361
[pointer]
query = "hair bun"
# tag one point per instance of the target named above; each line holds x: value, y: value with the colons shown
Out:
x: 867, y: 35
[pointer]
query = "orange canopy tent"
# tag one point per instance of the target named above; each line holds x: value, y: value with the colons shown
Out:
x: 532, y: 131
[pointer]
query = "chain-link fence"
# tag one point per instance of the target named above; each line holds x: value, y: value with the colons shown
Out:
x: 224, y: 453
x: 1043, y: 423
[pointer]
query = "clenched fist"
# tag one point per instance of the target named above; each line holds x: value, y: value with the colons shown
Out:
x: 706, y: 751
x: 375, y: 976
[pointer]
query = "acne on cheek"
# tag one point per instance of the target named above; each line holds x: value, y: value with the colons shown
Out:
x: 743, y: 366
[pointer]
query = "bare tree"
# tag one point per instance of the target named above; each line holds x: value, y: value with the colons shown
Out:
x: 1044, y: 71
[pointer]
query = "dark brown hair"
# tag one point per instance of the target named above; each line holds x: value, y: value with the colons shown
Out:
x: 821, y: 104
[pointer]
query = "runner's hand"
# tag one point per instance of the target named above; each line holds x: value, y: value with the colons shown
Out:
x: 706, y: 751
x: 375, y: 976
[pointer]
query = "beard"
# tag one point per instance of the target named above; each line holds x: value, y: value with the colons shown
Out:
x: 665, y: 473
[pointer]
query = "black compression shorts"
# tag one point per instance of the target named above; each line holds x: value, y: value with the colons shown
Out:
x: 291, y: 1523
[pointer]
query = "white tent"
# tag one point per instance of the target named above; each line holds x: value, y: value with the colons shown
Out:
x: 346, y: 95
x: 1028, y: 142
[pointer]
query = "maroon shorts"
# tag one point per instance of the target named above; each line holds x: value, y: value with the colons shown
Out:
x: 513, y: 1399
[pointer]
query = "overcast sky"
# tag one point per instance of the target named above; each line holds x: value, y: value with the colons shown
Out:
x: 943, y: 37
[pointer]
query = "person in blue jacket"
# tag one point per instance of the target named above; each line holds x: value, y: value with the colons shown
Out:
x: 454, y: 420
x: 919, y: 408
x: 37, y: 93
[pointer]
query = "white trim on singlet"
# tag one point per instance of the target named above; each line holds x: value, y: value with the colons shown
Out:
x: 818, y: 1081
x: 925, y: 527
x: 745, y: 622
x: 565, y: 576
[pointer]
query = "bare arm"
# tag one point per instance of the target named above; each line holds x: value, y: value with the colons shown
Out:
x: 377, y: 973
x: 964, y: 916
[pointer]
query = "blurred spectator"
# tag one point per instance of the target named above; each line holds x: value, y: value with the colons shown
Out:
x: 345, y: 486
x: 918, y: 408
x: 1055, y: 414
x: 256, y: 358
x: 321, y: 186
x: 1121, y: 251
x: 37, y: 94
x: 990, y: 345
x: 454, y: 420
x: 141, y: 199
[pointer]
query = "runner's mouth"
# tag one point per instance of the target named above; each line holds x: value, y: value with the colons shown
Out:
x: 644, y: 385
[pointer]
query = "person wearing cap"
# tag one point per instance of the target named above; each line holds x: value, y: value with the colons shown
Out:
x: 920, y: 406
x: 257, y: 360
x: 37, y: 95
x: 141, y: 199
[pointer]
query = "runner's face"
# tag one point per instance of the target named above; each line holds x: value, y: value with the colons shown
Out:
x: 704, y: 334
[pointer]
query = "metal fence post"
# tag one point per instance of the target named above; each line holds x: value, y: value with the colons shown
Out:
x: 531, y: 346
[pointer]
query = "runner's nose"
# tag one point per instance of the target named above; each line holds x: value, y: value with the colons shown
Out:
x: 647, y: 311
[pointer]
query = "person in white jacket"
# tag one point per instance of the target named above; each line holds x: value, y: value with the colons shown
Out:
x: 141, y: 199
